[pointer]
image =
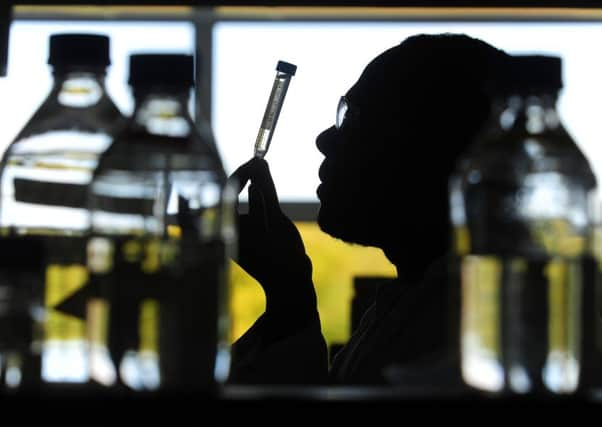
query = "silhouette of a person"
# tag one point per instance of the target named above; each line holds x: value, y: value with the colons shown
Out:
x: 399, y: 130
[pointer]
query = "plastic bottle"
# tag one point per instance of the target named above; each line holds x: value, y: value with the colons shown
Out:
x: 161, y: 221
x: 520, y: 208
x: 44, y: 178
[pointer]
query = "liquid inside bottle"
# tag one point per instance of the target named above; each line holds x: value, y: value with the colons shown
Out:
x: 157, y: 255
x: 521, y: 213
x: 46, y: 171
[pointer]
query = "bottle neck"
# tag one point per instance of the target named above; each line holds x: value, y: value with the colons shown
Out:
x: 79, y: 88
x: 533, y: 114
x: 163, y: 112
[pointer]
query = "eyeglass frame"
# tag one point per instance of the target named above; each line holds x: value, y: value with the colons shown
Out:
x: 344, y: 112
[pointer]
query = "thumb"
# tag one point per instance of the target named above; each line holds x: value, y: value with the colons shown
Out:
x: 241, y: 175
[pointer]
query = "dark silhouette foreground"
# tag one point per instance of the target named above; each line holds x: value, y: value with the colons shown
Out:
x: 399, y: 130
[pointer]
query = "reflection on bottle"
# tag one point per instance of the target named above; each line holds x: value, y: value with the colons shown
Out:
x: 102, y: 369
x: 13, y: 373
x: 480, y: 340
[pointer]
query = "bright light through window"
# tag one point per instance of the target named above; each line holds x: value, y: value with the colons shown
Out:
x: 330, y: 58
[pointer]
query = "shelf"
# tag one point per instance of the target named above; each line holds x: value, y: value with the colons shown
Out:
x: 337, y: 3
x: 259, y: 11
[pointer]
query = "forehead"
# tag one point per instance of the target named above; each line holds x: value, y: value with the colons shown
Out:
x: 380, y: 84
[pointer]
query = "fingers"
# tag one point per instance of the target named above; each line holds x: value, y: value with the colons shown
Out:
x: 261, y: 178
x: 247, y: 241
x: 241, y: 176
x: 257, y: 208
x: 263, y: 199
x: 257, y: 171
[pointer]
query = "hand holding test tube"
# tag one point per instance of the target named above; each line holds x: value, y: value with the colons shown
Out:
x: 284, y: 72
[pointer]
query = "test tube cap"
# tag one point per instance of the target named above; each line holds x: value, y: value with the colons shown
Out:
x: 286, y: 67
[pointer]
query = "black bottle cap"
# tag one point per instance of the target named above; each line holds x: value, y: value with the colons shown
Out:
x: 91, y: 50
x: 286, y: 67
x: 528, y: 74
x: 161, y: 69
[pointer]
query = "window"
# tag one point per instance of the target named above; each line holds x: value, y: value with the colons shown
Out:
x: 330, y: 57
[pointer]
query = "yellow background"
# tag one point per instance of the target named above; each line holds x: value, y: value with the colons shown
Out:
x: 335, y: 263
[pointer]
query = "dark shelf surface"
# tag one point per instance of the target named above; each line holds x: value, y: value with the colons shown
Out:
x: 267, y: 402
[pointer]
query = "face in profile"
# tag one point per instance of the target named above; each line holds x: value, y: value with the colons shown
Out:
x: 415, y: 108
x: 355, y: 173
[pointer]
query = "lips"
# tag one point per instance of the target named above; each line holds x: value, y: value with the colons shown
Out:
x: 321, y: 172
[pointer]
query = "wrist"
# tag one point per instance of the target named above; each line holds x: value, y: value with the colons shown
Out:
x: 292, y: 302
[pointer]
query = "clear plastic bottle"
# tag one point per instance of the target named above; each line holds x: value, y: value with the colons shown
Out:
x: 520, y: 208
x: 161, y: 220
x: 44, y: 178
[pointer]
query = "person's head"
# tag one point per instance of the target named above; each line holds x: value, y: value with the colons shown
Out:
x: 414, y: 109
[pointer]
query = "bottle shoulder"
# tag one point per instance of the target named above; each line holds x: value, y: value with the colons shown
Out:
x: 513, y: 154
x: 136, y: 149
x: 102, y: 117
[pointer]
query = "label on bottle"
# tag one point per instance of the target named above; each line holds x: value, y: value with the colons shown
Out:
x: 50, y: 193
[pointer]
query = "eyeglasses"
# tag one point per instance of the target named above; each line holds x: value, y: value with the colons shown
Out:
x: 341, y: 112
x: 344, y: 112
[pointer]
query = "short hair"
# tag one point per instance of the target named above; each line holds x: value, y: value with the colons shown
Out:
x: 438, y: 81
x: 433, y: 88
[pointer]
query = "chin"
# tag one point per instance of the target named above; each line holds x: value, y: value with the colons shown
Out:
x: 332, y: 225
x: 339, y: 227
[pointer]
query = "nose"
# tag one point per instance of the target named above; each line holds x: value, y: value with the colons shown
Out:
x: 327, y: 140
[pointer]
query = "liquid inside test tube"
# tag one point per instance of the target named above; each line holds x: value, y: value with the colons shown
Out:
x: 262, y: 142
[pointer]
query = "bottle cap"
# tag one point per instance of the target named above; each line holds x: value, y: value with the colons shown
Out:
x: 286, y: 67
x: 526, y: 74
x: 161, y: 69
x: 90, y: 50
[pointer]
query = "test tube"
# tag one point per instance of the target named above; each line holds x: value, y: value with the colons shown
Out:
x: 284, y: 72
